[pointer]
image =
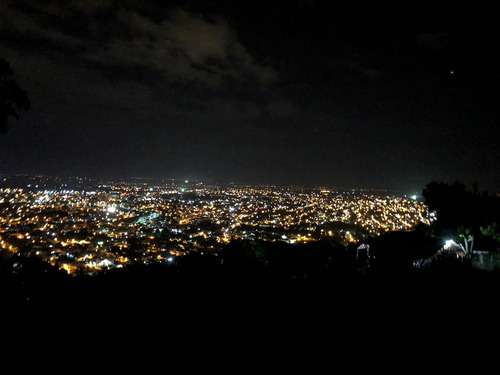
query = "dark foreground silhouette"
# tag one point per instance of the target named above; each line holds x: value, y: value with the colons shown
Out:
x: 245, y: 274
x: 252, y: 302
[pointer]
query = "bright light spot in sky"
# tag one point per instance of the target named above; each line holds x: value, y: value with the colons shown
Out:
x: 413, y: 197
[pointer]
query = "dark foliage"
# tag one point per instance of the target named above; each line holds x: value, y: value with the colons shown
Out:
x: 13, y: 99
x: 30, y: 281
x: 397, y: 251
x: 456, y: 206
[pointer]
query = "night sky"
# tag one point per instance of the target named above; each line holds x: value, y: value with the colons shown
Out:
x: 267, y: 92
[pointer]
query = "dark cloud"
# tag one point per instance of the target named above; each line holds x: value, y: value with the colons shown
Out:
x: 182, y: 47
x: 183, y: 61
x: 185, y: 47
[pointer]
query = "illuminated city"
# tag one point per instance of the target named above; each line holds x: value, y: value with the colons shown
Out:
x: 86, y: 226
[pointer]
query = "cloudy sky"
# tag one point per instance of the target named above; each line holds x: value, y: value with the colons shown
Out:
x: 273, y: 92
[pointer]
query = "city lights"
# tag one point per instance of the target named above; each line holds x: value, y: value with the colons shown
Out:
x: 83, y: 231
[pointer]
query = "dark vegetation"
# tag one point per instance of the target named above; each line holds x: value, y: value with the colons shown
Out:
x: 13, y: 99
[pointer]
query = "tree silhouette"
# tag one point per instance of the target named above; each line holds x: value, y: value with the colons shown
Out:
x: 13, y: 99
x: 456, y: 206
x: 461, y: 213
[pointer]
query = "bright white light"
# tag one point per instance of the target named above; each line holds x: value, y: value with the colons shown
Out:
x: 104, y: 263
x: 413, y: 197
x: 170, y: 259
x: 111, y: 209
x: 448, y: 244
